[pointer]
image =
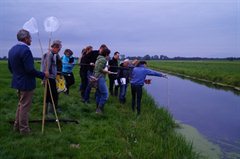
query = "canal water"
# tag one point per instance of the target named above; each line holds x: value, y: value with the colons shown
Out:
x: 213, y: 111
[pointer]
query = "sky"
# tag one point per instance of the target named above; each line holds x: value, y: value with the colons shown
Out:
x: 186, y: 28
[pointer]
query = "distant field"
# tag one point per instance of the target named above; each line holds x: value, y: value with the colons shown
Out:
x: 225, y: 72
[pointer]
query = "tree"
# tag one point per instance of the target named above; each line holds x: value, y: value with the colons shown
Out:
x: 146, y: 57
x: 155, y: 57
x: 122, y: 56
x: 163, y: 57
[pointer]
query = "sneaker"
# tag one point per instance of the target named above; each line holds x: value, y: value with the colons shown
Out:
x: 98, y: 111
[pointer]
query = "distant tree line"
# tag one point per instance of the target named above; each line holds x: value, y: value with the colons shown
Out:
x: 164, y: 57
x: 159, y: 57
x: 3, y: 58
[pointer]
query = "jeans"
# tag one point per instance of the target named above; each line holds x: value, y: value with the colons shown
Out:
x: 122, y: 94
x: 136, y: 91
x: 101, y: 92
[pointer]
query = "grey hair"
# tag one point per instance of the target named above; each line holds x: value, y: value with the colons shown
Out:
x: 22, y: 34
x: 57, y: 43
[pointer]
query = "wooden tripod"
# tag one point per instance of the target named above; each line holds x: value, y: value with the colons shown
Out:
x: 47, y: 84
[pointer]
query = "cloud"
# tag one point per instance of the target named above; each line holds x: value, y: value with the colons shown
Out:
x: 174, y: 27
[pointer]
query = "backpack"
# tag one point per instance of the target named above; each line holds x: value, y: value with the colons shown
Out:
x: 60, y: 84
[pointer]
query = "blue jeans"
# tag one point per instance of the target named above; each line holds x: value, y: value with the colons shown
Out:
x: 122, y: 94
x: 88, y: 89
x: 136, y: 91
x: 101, y: 92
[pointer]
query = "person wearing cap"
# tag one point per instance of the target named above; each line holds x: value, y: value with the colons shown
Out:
x: 67, y: 67
x: 51, y: 62
x: 138, y: 76
x: 123, y: 79
x: 21, y: 65
x: 113, y: 67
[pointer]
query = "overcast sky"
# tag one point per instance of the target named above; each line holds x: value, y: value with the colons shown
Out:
x: 190, y: 28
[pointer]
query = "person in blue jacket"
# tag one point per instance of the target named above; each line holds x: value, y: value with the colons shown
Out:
x: 67, y: 67
x: 138, y: 76
x: 21, y: 65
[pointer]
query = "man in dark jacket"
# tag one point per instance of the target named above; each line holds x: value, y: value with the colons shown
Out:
x: 21, y: 65
x: 113, y: 67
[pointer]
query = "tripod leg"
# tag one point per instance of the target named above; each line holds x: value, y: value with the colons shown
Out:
x: 44, y: 105
x: 54, y: 108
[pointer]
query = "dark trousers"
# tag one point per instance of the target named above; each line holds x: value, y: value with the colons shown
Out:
x: 89, y: 88
x: 84, y: 82
x: 53, y: 87
x: 136, y: 92
x: 70, y: 80
x: 111, y: 85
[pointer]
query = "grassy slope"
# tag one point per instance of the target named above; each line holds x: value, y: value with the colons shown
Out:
x: 226, y: 72
x: 117, y: 134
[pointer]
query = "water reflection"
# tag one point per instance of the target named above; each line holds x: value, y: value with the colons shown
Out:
x: 213, y: 111
x: 211, y: 84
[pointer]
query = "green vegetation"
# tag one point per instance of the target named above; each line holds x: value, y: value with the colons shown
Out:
x: 224, y: 72
x: 116, y: 134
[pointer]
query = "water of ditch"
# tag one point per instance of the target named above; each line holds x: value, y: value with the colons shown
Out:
x: 213, y: 111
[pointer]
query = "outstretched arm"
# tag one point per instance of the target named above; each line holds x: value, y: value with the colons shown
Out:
x: 155, y: 73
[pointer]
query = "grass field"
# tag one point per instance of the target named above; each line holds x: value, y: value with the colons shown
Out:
x: 224, y: 72
x: 116, y: 134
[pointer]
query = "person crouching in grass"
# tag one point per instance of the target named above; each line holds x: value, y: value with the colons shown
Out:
x: 138, y: 76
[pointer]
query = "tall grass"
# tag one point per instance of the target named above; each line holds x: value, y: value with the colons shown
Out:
x: 119, y: 133
x: 225, y: 72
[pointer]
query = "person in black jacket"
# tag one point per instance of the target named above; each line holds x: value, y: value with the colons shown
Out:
x: 84, y: 69
x: 113, y: 67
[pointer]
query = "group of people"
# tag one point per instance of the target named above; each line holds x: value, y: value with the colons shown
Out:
x: 93, y: 64
x: 97, y: 63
